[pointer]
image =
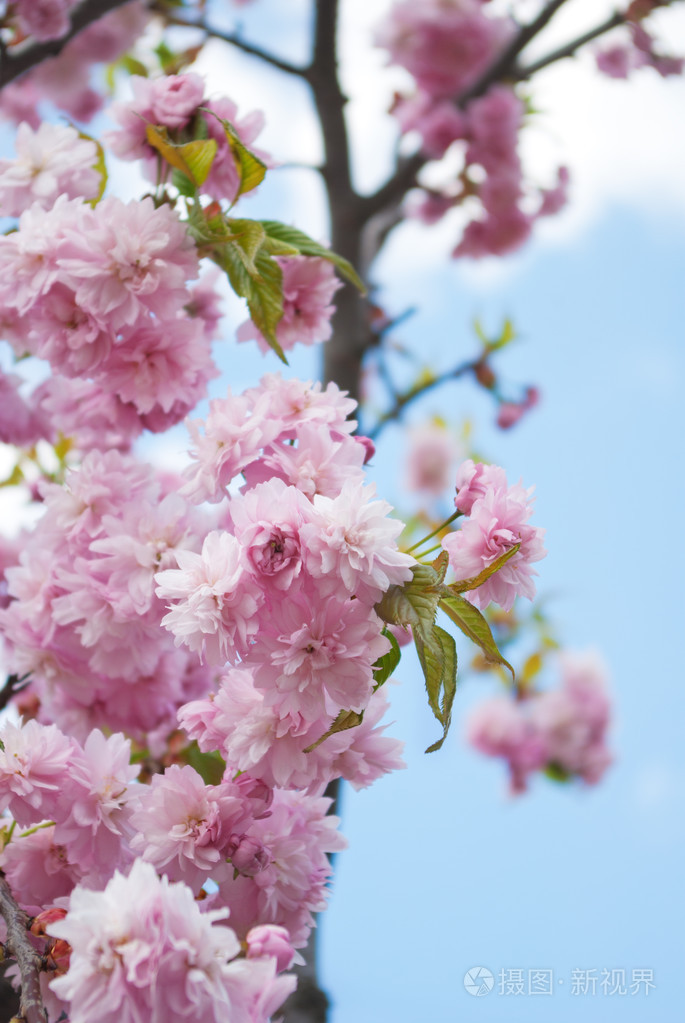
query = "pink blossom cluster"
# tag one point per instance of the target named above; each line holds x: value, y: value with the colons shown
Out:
x: 101, y: 293
x: 75, y: 802
x: 42, y: 19
x: 143, y: 949
x: 51, y: 161
x: 497, y: 520
x: 641, y: 50
x: 562, y: 730
x: 175, y: 102
x: 79, y: 817
x: 65, y: 80
x: 304, y: 526
x: 446, y: 45
x: 83, y: 617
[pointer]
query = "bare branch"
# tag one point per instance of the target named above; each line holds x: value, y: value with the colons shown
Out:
x: 403, y: 400
x: 522, y: 74
x: 13, y: 64
x: 13, y: 685
x: 28, y: 960
x: 234, y: 39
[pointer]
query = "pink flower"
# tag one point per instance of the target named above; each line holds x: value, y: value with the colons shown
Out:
x: 169, y: 101
x: 270, y: 940
x: 184, y: 827
x: 315, y: 657
x: 142, y: 949
x: 38, y: 868
x: 444, y: 44
x: 501, y: 728
x: 34, y: 761
x: 308, y: 287
x: 351, y: 539
x: 432, y: 453
x: 44, y: 19
x: 216, y: 599
x: 498, y: 521
x: 474, y: 481
x: 50, y: 162
x: 125, y: 260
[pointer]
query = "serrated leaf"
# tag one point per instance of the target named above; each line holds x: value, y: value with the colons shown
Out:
x: 472, y: 623
x: 345, y: 720
x: 199, y: 156
x: 462, y: 585
x: 248, y: 236
x: 416, y: 602
x: 306, y: 246
x: 251, y: 170
x: 438, y: 659
x: 385, y: 665
x: 193, y: 159
x: 263, y: 290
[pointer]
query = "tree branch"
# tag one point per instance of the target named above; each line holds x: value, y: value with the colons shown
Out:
x: 28, y: 960
x: 402, y: 400
x: 524, y: 73
x: 233, y: 39
x: 14, y: 64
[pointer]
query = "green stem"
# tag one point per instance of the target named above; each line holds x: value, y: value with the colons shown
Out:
x: 419, y: 543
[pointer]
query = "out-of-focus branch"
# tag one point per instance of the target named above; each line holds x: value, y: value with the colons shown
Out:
x: 13, y: 685
x: 20, y: 948
x: 569, y: 49
x: 16, y: 63
x: 233, y: 39
x: 429, y: 384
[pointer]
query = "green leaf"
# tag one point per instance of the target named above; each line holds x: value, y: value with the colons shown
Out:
x: 557, y: 773
x: 462, y: 585
x: 210, y: 766
x: 248, y: 236
x: 199, y: 156
x: 416, y: 602
x: 385, y: 665
x: 251, y: 170
x: 472, y: 623
x: 306, y: 246
x: 193, y: 159
x: 183, y: 183
x: 262, y: 288
x: 438, y: 659
x: 346, y: 719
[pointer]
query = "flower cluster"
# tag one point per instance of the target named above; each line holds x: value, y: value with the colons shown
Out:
x: 83, y: 618
x: 497, y: 522
x: 446, y: 45
x: 561, y: 730
x: 175, y: 102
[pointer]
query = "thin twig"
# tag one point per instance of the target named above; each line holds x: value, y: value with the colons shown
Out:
x: 402, y: 400
x: 233, y: 39
x: 524, y: 73
x: 28, y: 960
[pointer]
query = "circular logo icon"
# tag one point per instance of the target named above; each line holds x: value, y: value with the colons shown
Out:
x: 479, y: 981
